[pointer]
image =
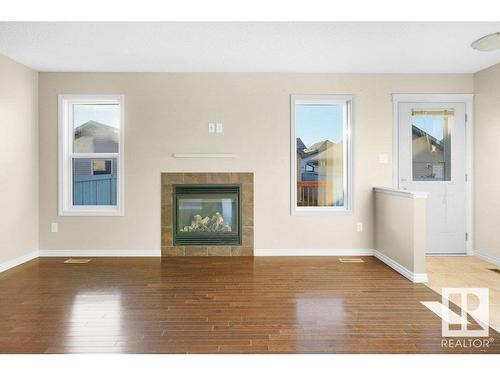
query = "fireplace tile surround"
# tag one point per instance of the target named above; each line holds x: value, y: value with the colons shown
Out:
x: 245, y: 180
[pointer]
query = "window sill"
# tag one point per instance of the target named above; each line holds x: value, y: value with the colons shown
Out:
x: 92, y: 212
x: 313, y: 211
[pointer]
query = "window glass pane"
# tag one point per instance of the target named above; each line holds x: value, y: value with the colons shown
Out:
x: 92, y: 184
x: 320, y: 160
x: 96, y: 128
x: 431, y: 144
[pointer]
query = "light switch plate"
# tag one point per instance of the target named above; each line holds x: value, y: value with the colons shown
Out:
x: 54, y: 227
x: 219, y: 127
x: 359, y: 227
x: 211, y: 127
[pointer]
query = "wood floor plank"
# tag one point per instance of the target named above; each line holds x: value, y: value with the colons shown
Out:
x: 217, y: 305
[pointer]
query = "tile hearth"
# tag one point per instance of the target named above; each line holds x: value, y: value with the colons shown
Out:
x: 168, y: 183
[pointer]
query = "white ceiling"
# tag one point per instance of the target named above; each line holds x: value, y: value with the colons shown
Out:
x: 248, y: 47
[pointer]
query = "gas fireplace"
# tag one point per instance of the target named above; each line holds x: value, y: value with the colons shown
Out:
x: 206, y: 215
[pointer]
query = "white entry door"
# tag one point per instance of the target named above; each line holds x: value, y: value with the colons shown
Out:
x: 432, y: 159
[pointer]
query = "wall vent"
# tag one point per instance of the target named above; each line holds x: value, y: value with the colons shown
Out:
x: 351, y: 260
x: 77, y: 261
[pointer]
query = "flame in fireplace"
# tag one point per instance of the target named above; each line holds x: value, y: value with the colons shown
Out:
x: 207, y: 224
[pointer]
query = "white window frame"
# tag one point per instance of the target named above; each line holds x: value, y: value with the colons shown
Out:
x: 66, y: 155
x: 347, y: 102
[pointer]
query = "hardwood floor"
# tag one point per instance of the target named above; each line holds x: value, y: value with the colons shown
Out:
x: 217, y: 305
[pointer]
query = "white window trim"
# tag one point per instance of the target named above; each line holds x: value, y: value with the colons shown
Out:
x: 347, y: 101
x: 66, y: 207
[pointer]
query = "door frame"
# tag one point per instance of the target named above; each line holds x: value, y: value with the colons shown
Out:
x: 467, y: 99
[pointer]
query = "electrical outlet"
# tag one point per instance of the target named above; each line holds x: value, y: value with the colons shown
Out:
x: 359, y: 227
x: 54, y: 227
x: 211, y: 127
x: 219, y: 128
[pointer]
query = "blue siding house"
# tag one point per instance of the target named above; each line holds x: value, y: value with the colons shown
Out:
x: 94, y: 179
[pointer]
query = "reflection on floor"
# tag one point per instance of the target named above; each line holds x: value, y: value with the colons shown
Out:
x: 466, y: 272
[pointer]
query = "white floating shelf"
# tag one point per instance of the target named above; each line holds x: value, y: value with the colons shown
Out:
x: 194, y: 155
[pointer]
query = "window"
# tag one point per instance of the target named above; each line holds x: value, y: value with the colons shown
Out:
x: 90, y: 155
x: 321, y: 153
x: 431, y: 144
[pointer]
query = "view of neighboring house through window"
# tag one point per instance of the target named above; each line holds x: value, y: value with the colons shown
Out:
x: 322, y: 143
x: 91, y: 147
x: 431, y: 144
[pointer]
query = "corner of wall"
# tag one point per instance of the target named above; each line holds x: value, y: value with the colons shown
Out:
x: 19, y: 220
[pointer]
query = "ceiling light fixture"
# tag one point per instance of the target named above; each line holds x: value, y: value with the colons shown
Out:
x: 489, y: 42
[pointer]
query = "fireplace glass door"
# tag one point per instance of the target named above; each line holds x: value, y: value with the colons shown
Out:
x: 206, y: 215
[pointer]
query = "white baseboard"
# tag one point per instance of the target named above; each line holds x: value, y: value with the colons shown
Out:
x: 313, y: 252
x: 420, y: 278
x: 488, y: 258
x: 17, y: 261
x: 101, y: 253
x: 414, y: 277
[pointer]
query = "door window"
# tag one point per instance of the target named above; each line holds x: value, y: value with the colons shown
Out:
x: 431, y: 144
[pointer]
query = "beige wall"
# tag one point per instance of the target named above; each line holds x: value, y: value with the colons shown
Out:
x: 18, y: 160
x: 167, y: 113
x: 486, y: 157
x: 400, y: 229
